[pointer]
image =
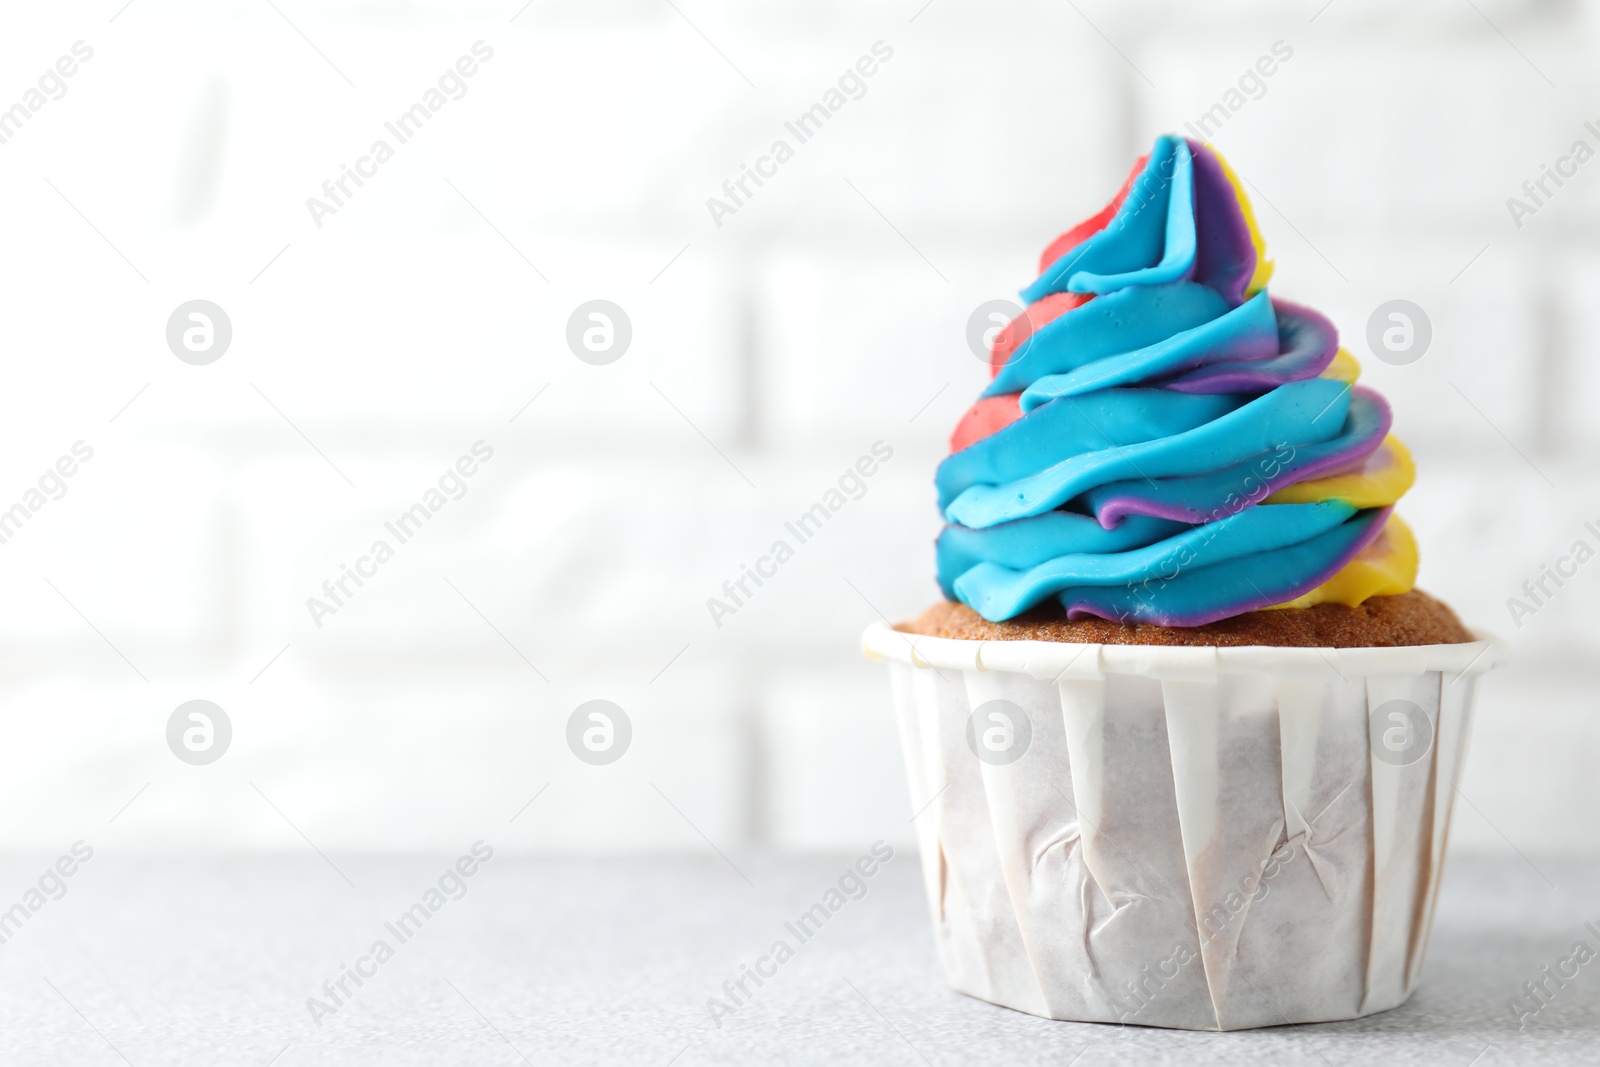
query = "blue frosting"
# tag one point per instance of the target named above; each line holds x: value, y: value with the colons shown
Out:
x: 1155, y: 419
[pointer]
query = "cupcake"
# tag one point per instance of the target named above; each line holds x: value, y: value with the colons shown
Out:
x: 1182, y: 738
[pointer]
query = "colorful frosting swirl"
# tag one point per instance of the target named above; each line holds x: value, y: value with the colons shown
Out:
x: 1165, y: 442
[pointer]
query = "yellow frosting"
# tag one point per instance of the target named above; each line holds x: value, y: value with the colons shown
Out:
x: 1263, y: 274
x: 1344, y: 368
x: 1380, y: 481
x: 1386, y: 567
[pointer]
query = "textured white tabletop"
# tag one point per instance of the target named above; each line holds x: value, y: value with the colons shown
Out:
x: 181, y: 961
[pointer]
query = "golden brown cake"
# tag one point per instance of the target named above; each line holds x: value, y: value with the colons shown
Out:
x: 1413, y: 618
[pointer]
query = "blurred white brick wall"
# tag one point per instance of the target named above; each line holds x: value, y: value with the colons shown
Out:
x: 827, y: 314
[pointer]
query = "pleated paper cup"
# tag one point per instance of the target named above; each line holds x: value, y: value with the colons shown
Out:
x: 1203, y: 838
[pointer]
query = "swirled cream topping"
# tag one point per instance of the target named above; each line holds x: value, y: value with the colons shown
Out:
x: 1164, y: 441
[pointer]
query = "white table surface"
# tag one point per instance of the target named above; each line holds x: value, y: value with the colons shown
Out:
x: 185, y: 961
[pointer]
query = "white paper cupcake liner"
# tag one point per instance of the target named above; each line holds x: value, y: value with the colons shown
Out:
x: 1204, y: 838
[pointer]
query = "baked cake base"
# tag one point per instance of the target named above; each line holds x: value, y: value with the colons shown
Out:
x: 1413, y: 618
